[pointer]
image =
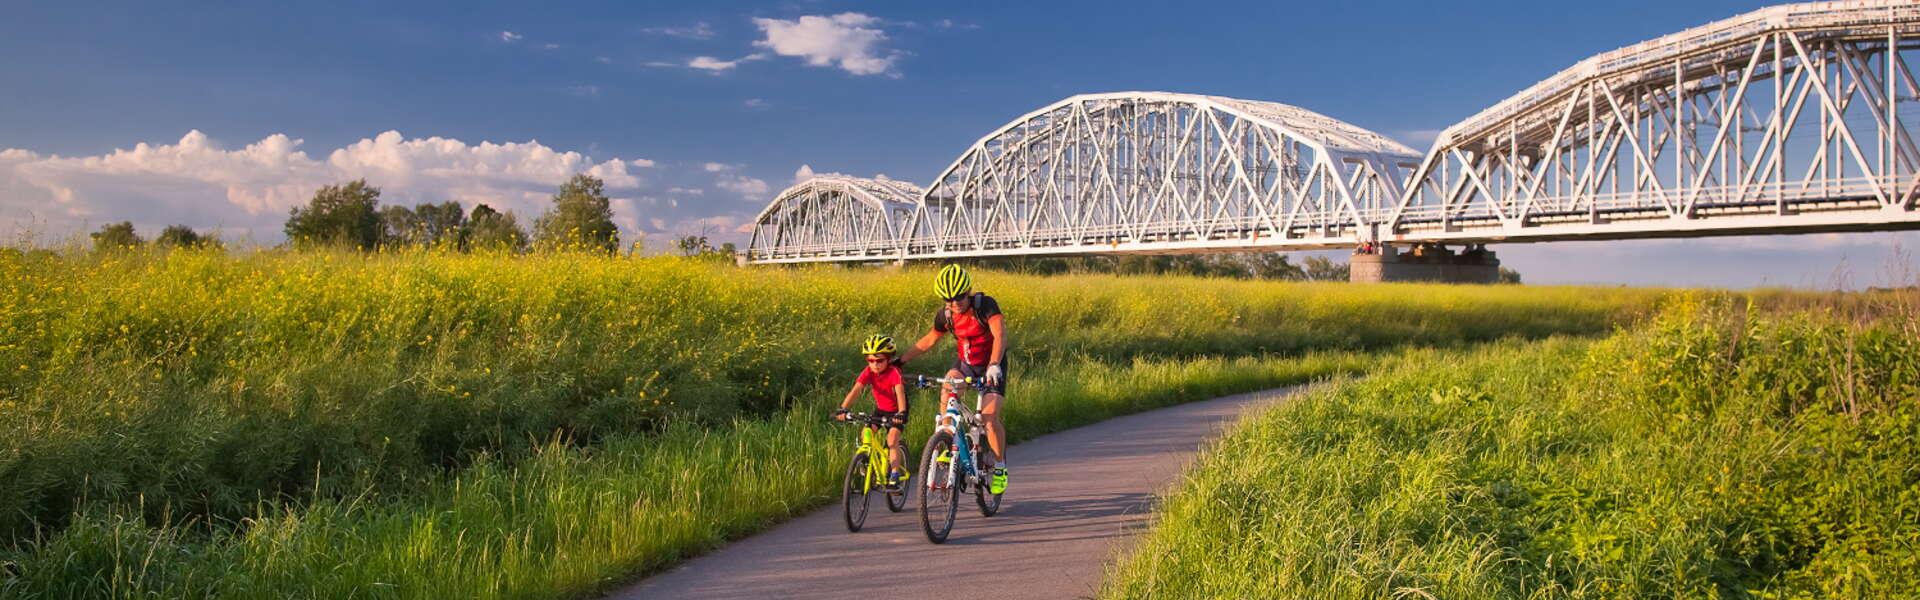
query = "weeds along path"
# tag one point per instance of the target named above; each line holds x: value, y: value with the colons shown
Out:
x: 1075, y: 497
x: 1718, y: 450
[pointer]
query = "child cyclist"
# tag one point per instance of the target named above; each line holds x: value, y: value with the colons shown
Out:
x: 889, y: 399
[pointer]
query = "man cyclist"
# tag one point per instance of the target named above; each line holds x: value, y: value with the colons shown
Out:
x: 976, y: 324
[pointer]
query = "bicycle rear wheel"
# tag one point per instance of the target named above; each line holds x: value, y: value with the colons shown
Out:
x: 989, y: 503
x: 853, y: 495
x: 940, y: 493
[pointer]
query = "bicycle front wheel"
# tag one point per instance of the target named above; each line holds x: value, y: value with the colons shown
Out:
x: 853, y: 495
x: 940, y: 493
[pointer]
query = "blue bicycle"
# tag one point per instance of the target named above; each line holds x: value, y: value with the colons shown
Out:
x: 955, y: 461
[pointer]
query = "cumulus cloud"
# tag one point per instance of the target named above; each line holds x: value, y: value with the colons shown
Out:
x: 714, y: 167
x: 803, y: 173
x: 697, y: 31
x: 198, y: 182
x: 708, y: 63
x: 747, y: 187
x: 642, y: 163
x: 510, y: 37
x: 849, y: 41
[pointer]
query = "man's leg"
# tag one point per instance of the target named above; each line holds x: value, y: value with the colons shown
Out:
x: 990, y: 412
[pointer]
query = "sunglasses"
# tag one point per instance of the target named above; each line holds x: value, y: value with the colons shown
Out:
x: 872, y: 359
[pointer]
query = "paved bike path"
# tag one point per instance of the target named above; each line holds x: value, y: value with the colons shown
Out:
x: 1073, y: 499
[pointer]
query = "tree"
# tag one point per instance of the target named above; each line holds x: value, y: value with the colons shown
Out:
x: 442, y: 225
x: 1321, y: 268
x: 581, y: 218
x: 339, y: 215
x: 399, y: 227
x: 181, y: 236
x: 1509, y: 276
x: 491, y: 230
x: 116, y: 236
x: 692, y: 245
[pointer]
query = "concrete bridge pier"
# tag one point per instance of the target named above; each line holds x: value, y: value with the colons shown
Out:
x: 1376, y: 263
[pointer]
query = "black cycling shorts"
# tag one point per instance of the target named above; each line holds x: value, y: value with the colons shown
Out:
x: 979, y: 375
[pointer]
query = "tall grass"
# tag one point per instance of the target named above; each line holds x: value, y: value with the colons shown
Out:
x: 571, y: 521
x: 193, y: 422
x: 196, y: 385
x: 1718, y: 450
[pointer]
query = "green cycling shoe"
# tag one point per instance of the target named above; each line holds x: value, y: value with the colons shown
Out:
x: 999, y: 483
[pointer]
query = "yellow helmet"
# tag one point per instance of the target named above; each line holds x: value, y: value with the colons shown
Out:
x: 877, y: 344
x: 952, y: 282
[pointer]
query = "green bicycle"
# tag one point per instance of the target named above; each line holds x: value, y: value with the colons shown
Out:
x: 867, y: 472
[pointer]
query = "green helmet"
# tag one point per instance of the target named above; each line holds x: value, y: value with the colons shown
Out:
x: 877, y: 344
x: 952, y: 282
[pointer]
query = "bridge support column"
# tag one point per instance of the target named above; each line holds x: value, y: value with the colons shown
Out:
x: 1424, y: 262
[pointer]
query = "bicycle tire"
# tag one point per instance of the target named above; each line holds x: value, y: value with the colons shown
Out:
x: 989, y: 503
x: 897, y: 498
x: 853, y: 493
x: 935, y: 474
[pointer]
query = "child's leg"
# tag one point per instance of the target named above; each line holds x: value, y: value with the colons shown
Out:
x: 897, y: 455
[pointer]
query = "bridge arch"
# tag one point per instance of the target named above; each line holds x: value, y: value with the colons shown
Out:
x: 1159, y: 172
x: 1794, y: 118
x: 834, y: 217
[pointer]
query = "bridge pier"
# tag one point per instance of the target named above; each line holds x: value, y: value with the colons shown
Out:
x: 1424, y: 262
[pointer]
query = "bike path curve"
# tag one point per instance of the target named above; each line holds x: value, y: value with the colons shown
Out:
x: 1074, y: 499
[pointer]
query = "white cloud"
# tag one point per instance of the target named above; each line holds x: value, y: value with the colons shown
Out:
x: 550, y: 46
x: 584, y: 91
x: 708, y: 63
x: 603, y: 60
x: 198, y: 182
x: 756, y: 104
x: 686, y: 191
x: 751, y: 188
x: 510, y: 37
x: 697, y: 31
x: 849, y: 41
x: 643, y: 163
x: 803, y: 173
x: 714, y: 167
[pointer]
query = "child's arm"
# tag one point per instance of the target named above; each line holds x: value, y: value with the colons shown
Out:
x: 848, y: 401
x: 900, y: 400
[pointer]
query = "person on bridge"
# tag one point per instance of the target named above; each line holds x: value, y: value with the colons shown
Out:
x: 976, y: 324
x: 889, y: 400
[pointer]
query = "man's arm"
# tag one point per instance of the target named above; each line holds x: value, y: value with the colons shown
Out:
x: 920, y: 347
x: 996, y: 325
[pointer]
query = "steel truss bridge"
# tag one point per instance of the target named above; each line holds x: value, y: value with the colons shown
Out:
x: 1791, y: 119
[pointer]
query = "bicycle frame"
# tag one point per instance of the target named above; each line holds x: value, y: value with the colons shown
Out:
x: 879, y: 456
x: 965, y: 427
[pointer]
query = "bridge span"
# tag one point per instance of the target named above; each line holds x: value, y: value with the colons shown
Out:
x: 1790, y: 119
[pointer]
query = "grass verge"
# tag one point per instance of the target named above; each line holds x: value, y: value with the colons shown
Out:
x: 1716, y: 451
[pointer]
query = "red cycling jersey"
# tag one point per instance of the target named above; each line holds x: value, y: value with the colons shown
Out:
x: 970, y: 328
x: 883, y: 384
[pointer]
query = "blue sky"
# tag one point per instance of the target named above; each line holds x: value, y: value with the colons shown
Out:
x: 697, y: 112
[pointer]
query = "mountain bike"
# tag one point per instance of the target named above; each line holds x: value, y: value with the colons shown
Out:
x: 956, y: 460
x: 867, y: 471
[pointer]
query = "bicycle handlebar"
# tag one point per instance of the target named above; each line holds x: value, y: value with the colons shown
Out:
x: 856, y: 418
x: 922, y: 381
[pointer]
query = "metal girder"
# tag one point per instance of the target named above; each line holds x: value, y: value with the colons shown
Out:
x: 1784, y: 120
x: 834, y: 217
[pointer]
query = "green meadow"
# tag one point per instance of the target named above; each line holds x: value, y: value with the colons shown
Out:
x: 420, y: 424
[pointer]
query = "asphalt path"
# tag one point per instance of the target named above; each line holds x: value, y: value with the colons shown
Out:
x: 1073, y: 500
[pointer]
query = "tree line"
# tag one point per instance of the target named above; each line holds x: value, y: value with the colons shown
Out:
x: 350, y: 215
